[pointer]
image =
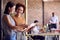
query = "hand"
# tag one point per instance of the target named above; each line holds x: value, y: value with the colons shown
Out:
x: 20, y: 30
x: 25, y: 29
x: 42, y: 31
x: 24, y: 25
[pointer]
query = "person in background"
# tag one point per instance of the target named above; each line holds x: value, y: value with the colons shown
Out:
x: 36, y: 30
x: 53, y: 24
x: 54, y: 21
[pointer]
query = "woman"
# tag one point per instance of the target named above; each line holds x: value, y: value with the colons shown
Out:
x: 8, y: 22
x: 19, y: 18
x: 20, y: 21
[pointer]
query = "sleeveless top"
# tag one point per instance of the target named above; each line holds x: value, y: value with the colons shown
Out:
x: 6, y: 28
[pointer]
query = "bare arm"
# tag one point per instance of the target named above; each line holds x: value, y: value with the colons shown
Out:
x: 13, y: 27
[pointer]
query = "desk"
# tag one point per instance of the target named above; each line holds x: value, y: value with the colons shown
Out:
x: 44, y: 34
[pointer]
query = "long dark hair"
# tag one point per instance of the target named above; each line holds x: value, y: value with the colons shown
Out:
x: 9, y: 4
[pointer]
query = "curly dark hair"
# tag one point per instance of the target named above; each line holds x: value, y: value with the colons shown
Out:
x: 20, y: 5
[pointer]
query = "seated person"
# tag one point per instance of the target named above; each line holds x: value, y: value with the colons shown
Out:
x: 36, y: 30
